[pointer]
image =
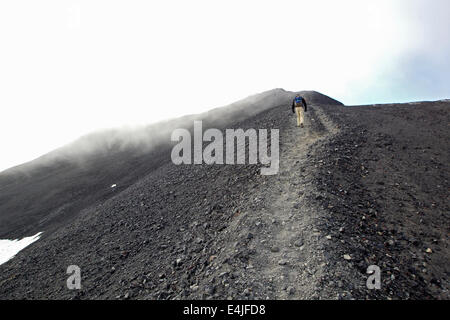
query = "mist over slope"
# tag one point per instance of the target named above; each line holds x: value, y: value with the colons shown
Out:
x: 45, y: 193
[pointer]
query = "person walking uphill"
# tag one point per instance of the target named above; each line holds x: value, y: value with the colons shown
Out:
x: 297, y: 107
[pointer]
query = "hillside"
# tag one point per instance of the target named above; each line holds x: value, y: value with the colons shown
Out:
x: 369, y: 183
x: 49, y: 191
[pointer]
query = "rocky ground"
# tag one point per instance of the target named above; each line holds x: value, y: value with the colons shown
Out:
x: 357, y: 186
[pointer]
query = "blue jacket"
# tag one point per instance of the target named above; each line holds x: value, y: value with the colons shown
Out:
x: 298, y: 100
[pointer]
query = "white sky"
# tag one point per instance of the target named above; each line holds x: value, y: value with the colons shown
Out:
x: 71, y: 67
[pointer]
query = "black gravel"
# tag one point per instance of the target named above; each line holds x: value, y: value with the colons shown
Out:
x: 380, y: 181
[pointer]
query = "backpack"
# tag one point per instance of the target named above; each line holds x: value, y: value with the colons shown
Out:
x: 299, y: 100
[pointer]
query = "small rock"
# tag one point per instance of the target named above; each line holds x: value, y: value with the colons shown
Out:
x: 275, y: 249
x: 429, y: 250
x: 210, y: 290
x: 283, y: 262
x: 328, y: 237
x: 347, y: 257
x: 291, y: 290
x: 298, y: 243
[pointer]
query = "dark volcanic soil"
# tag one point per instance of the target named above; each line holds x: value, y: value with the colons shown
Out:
x: 369, y: 182
x: 386, y: 182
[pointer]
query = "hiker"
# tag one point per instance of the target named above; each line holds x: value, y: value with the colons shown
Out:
x: 297, y: 105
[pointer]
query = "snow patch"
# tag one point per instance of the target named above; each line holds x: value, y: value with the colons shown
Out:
x: 9, y: 248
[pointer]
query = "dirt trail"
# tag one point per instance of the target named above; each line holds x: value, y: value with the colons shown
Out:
x: 294, y: 260
x: 287, y: 256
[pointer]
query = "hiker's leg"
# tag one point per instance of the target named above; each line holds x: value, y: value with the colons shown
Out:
x: 301, y: 116
x: 297, y: 112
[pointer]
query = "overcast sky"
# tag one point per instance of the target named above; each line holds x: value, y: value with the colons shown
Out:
x: 71, y: 67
